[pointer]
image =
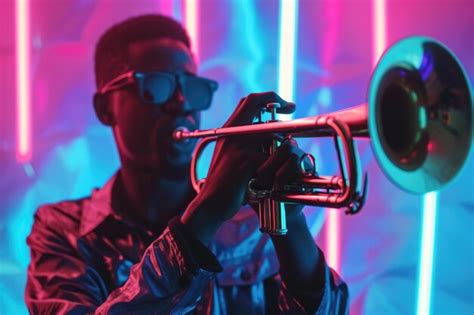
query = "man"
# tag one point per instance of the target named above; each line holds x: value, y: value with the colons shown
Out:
x: 145, y: 243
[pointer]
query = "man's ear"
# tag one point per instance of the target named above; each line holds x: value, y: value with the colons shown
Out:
x: 103, y: 109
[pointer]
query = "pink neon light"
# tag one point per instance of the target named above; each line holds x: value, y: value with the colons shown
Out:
x: 332, y: 13
x: 379, y: 29
x: 23, y: 129
x: 332, y: 239
x: 191, y: 22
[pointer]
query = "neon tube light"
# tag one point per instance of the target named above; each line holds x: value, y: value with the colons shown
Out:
x: 332, y: 239
x: 425, y: 273
x: 333, y: 218
x: 23, y: 128
x: 429, y: 200
x: 191, y: 23
x: 379, y: 29
x: 288, y: 38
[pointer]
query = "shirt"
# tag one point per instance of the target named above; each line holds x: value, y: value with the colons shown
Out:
x: 87, y: 258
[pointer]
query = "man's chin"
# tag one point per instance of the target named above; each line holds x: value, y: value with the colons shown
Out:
x: 176, y: 167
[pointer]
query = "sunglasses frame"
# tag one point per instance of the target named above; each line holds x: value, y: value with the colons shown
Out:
x: 134, y: 76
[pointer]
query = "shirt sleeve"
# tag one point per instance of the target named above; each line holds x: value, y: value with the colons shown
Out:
x: 168, y: 279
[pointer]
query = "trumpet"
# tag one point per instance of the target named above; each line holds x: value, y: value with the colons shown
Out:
x: 418, y: 117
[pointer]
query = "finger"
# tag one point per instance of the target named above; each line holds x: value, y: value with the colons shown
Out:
x: 239, y: 153
x: 287, y: 173
x: 250, y: 106
x: 266, y: 172
x: 282, y: 153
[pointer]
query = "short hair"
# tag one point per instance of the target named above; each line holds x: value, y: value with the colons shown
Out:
x: 111, y: 52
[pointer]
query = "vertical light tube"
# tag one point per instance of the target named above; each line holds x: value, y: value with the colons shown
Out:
x: 23, y: 121
x: 331, y: 12
x: 425, y: 272
x: 287, y: 46
x: 428, y: 229
x: 379, y: 29
x: 332, y: 239
x: 191, y: 22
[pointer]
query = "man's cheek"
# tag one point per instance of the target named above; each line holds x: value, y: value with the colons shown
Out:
x: 138, y: 140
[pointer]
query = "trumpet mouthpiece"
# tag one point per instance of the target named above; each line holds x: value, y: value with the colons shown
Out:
x: 178, y: 134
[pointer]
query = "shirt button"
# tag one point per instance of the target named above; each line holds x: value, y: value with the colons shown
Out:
x: 245, y: 275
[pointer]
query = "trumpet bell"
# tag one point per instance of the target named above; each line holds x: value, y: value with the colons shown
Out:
x: 420, y: 114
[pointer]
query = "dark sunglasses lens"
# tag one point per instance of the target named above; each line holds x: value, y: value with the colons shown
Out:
x: 157, y: 88
x: 198, y: 92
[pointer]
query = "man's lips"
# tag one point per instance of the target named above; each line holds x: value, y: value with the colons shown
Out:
x: 186, y: 145
x: 163, y: 136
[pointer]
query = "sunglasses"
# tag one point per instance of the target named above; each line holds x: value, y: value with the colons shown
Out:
x: 157, y: 88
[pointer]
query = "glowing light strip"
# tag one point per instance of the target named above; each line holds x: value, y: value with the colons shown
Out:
x: 430, y: 199
x: 191, y: 23
x: 286, y: 60
x: 332, y: 239
x: 333, y: 219
x: 23, y: 128
x: 379, y: 27
x: 425, y: 272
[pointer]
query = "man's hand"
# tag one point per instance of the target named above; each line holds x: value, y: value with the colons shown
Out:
x: 234, y: 163
x: 281, y: 168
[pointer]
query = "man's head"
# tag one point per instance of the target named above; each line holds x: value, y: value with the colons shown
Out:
x: 112, y: 56
x: 145, y: 76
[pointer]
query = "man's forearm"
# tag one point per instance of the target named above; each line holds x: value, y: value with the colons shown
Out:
x: 199, y: 222
x: 301, y: 265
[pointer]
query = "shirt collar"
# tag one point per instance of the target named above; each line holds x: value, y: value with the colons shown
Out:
x: 98, y: 207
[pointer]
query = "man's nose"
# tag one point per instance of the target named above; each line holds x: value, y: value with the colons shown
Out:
x: 177, y: 104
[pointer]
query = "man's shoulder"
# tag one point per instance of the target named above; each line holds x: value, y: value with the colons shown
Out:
x: 64, y: 215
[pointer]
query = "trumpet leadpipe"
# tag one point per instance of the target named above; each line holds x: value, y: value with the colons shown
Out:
x: 315, y: 126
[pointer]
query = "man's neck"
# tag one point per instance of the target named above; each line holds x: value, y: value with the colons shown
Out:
x: 150, y: 198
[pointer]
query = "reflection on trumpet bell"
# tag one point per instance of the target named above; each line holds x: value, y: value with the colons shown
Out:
x: 418, y: 117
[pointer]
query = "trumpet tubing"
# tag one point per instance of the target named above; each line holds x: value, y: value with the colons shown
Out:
x: 418, y: 117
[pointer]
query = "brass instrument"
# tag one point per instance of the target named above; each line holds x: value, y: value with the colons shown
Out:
x: 418, y: 117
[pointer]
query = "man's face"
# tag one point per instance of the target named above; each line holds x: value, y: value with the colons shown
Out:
x: 143, y: 132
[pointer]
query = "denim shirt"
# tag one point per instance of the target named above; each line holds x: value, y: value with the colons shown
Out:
x: 86, y: 258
